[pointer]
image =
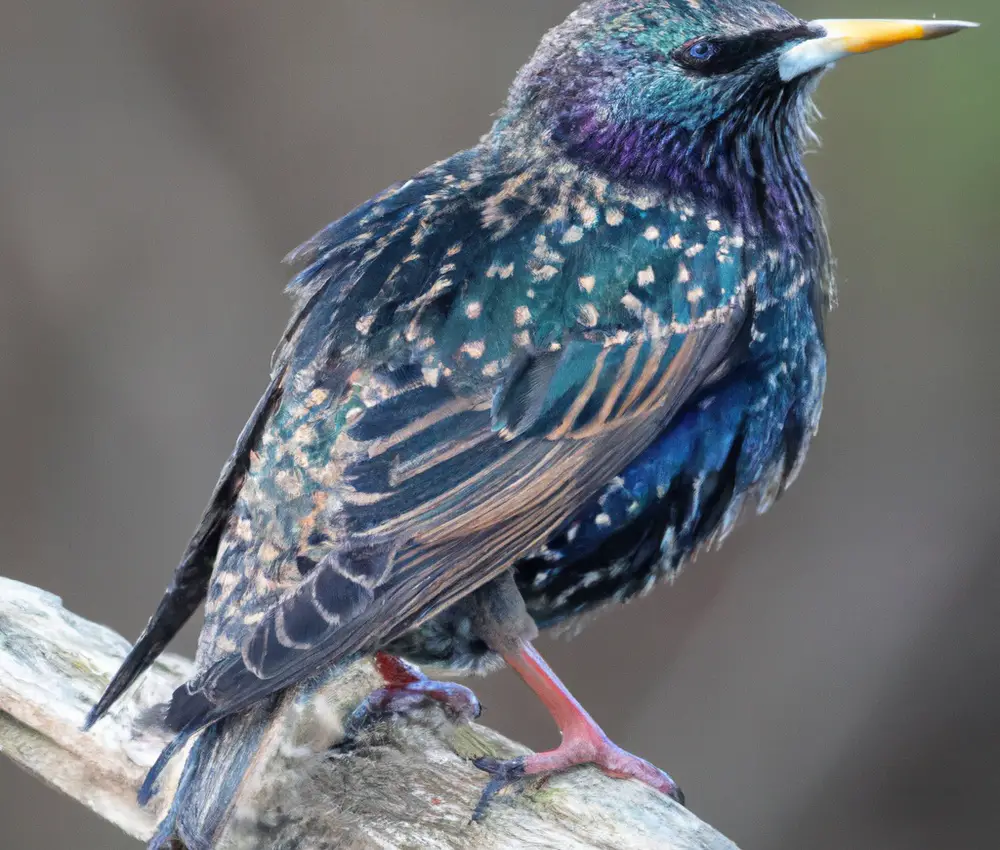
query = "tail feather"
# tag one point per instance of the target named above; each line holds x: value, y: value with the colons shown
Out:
x: 219, y: 763
x: 180, y: 601
x: 192, y: 576
x: 149, y: 784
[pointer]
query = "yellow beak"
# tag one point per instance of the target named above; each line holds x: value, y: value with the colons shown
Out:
x: 836, y: 39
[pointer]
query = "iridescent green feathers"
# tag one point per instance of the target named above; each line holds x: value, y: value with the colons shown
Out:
x: 484, y: 269
x: 505, y: 344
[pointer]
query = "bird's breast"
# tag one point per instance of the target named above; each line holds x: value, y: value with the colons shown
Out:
x: 740, y: 443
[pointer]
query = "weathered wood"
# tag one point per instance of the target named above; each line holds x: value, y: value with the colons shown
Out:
x: 409, y: 786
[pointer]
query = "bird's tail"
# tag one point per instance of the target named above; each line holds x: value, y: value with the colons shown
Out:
x: 193, y: 575
x: 179, y: 602
x: 215, y: 774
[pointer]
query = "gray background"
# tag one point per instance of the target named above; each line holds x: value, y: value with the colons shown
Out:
x: 830, y: 679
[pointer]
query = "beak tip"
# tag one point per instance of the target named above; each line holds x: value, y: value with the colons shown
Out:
x: 939, y: 29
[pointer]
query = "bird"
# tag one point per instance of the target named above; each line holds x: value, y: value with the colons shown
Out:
x: 530, y: 382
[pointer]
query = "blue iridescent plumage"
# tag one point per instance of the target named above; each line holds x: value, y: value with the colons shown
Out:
x: 533, y: 380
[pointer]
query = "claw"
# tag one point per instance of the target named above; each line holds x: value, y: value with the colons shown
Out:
x: 407, y: 690
x: 583, y: 741
x: 610, y: 759
x: 503, y: 774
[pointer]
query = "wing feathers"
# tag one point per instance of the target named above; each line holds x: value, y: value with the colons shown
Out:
x: 536, y: 350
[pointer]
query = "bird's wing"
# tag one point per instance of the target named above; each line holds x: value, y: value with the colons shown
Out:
x: 192, y: 576
x: 535, y: 339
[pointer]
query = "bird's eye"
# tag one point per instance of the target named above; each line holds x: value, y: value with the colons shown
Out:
x: 701, y: 51
x: 708, y: 56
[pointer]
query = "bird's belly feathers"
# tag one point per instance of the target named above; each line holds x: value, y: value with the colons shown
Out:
x: 742, y: 442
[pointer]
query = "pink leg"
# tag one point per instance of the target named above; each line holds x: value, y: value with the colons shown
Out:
x: 584, y: 742
x: 406, y: 689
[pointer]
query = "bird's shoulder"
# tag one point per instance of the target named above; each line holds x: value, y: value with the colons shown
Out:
x: 471, y: 263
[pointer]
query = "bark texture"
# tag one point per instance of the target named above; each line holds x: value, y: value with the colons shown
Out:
x: 407, y: 785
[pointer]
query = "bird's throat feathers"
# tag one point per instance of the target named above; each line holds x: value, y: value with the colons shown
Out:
x: 745, y: 165
x: 750, y: 170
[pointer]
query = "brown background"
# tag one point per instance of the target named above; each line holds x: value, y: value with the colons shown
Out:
x: 832, y: 679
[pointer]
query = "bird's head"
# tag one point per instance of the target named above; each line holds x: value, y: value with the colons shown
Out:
x: 709, y: 97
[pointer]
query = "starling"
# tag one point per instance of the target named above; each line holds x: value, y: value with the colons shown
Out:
x: 528, y: 382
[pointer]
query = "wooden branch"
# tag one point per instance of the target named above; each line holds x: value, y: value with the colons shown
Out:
x: 410, y: 786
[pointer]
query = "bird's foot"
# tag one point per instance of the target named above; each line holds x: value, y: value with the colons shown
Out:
x: 407, y: 690
x: 588, y: 745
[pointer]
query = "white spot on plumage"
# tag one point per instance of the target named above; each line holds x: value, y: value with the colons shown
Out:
x: 797, y: 285
x: 614, y: 217
x: 587, y: 283
x: 545, y: 273
x: 475, y: 349
x: 589, y: 315
x: 522, y: 315
x: 317, y: 397
x: 573, y: 235
x: 588, y: 215
x: 474, y: 309
x: 632, y: 304
x: 646, y: 276
x: 652, y: 233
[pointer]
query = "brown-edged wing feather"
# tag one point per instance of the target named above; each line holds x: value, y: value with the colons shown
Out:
x: 440, y: 502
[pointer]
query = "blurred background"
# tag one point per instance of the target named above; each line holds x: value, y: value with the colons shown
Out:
x: 831, y: 679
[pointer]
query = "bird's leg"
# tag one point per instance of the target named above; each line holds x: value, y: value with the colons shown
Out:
x: 584, y: 742
x: 407, y: 689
